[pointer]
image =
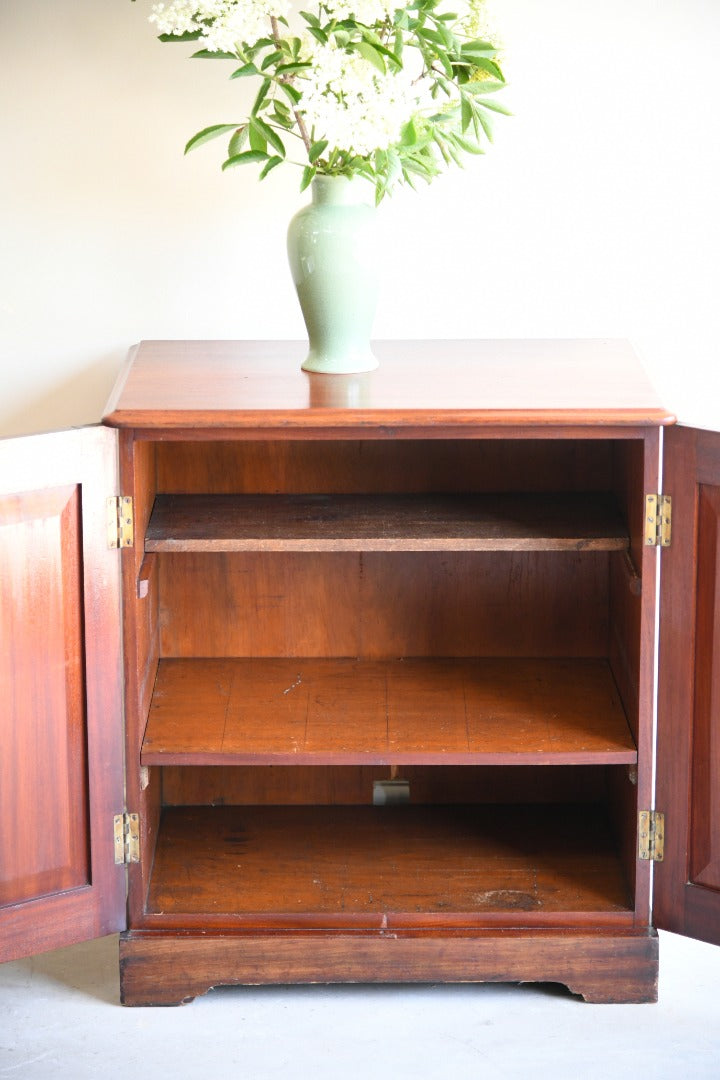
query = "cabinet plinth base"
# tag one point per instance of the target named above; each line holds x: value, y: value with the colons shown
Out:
x: 158, y: 968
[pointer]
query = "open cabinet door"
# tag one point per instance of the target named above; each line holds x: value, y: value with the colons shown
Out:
x: 61, y: 778
x: 687, y: 882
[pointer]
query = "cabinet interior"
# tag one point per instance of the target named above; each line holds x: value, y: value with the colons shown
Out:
x: 316, y: 618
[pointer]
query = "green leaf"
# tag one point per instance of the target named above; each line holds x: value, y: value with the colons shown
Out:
x: 246, y: 69
x: 290, y: 69
x: 466, y: 113
x: 370, y: 53
x: 307, y: 176
x: 495, y: 106
x: 267, y: 134
x: 190, y: 35
x: 322, y: 37
x: 409, y: 134
x: 486, y: 125
x: 208, y: 54
x: 261, y: 95
x: 270, y: 59
x: 246, y: 158
x: 290, y: 92
x: 209, y: 133
x: 281, y: 109
x: 489, y: 66
x: 387, y: 53
x: 468, y: 146
x: 257, y: 139
x: 317, y: 150
x: 481, y: 87
x: 272, y: 163
x: 311, y: 20
x: 454, y: 154
x: 394, y: 167
x: 478, y: 47
x: 441, y: 37
x: 440, y: 142
x: 238, y: 141
x: 369, y: 35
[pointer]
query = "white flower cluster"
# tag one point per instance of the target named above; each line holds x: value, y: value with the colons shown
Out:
x: 367, y: 12
x: 479, y: 20
x: 357, y: 108
x: 223, y: 23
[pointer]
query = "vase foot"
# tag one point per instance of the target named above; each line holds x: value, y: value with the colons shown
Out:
x: 340, y: 365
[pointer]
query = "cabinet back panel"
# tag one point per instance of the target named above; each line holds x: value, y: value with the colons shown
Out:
x: 384, y: 466
x: 383, y: 605
x: 351, y: 784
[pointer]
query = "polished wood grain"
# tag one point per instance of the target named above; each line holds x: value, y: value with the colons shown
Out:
x: 320, y: 711
x: 385, y: 466
x: 381, y: 605
x: 349, y: 785
x: 384, y: 866
x: 686, y: 894
x: 60, y: 701
x: 141, y: 629
x: 705, y: 853
x: 270, y: 654
x: 455, y: 384
x: 46, y: 850
x: 385, y: 523
x: 604, y: 967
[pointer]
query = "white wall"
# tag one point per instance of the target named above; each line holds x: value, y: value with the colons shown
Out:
x: 595, y: 214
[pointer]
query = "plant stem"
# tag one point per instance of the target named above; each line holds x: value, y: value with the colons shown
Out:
x: 298, y: 117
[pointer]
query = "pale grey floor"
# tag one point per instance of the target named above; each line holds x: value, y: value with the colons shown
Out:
x: 60, y: 1018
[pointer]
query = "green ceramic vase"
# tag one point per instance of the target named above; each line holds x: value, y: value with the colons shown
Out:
x: 333, y: 260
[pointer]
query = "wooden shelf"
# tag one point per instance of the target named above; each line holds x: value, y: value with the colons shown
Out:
x: 546, y: 522
x: 412, y: 712
x: 385, y: 866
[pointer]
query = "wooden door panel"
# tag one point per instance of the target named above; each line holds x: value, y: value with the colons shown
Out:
x: 46, y: 850
x: 60, y: 703
x: 705, y: 809
x: 687, y: 883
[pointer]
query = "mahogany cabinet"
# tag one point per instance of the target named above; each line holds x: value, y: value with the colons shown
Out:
x: 383, y: 707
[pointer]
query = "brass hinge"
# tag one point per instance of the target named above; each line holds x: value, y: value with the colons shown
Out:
x: 651, y: 835
x: 658, y: 520
x: 120, y: 521
x: 127, y: 838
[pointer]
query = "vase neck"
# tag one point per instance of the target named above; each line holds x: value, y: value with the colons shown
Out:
x: 340, y: 190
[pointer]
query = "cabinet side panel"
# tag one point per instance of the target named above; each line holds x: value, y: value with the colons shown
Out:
x: 138, y: 478
x: 141, y: 635
x: 631, y: 649
x: 43, y: 792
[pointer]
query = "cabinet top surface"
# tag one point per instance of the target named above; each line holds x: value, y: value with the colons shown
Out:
x: 259, y: 384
